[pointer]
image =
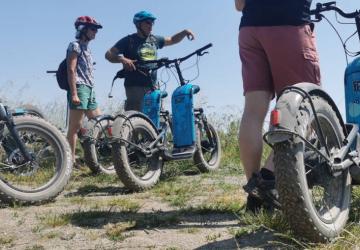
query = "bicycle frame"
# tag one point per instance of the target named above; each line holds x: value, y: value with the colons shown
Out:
x: 6, y: 117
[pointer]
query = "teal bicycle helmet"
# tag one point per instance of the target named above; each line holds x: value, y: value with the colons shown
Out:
x: 142, y: 16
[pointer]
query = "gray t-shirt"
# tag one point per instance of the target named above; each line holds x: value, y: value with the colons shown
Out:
x: 85, y: 63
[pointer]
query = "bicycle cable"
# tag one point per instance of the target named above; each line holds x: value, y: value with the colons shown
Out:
x: 174, y: 74
x: 350, y: 53
x: 197, y: 69
x: 344, y: 43
x: 338, y: 34
x: 338, y: 20
x: 161, y: 78
x: 170, y: 68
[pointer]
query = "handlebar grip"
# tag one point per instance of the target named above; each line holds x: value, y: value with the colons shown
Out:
x: 204, y: 48
x: 147, y: 62
x: 207, y: 46
x: 329, y: 4
x: 51, y: 71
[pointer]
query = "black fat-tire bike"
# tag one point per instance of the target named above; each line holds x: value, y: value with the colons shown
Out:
x: 35, y: 159
x: 28, y: 109
x: 95, y: 139
x: 316, y: 155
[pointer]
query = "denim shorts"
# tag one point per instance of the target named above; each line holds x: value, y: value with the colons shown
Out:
x: 86, y: 95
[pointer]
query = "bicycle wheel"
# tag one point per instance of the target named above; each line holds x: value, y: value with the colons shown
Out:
x: 33, y: 110
x: 135, y: 170
x: 97, y: 149
x: 314, y: 201
x: 29, y: 109
x: 42, y: 178
x: 208, y: 149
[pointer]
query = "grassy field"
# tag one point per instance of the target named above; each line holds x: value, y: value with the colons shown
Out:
x: 185, y: 210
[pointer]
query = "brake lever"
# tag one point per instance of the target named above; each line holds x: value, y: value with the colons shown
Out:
x: 329, y: 4
x: 202, y: 53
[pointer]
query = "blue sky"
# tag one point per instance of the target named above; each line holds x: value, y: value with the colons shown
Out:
x: 35, y: 35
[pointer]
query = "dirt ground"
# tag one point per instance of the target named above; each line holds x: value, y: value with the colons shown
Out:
x: 78, y: 219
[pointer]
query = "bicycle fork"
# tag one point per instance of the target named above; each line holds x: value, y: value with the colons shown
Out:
x: 9, y: 121
x: 349, y: 153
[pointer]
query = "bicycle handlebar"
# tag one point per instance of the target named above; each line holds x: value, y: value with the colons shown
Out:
x: 165, y: 61
x: 322, y: 7
x: 157, y: 64
x: 197, y: 52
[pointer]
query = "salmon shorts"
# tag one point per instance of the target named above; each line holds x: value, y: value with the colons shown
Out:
x: 277, y: 56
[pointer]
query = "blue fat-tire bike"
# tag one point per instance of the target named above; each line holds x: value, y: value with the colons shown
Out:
x: 317, y: 154
x: 143, y: 141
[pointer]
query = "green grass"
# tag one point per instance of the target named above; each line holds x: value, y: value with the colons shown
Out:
x: 276, y: 223
x: 54, y: 220
x: 188, y: 192
x: 124, y: 205
x: 116, y: 232
x: 6, y: 240
x: 52, y: 235
x: 213, y: 237
x: 35, y: 247
x: 176, y: 191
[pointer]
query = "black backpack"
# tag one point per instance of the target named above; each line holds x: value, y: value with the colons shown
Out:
x: 62, y: 76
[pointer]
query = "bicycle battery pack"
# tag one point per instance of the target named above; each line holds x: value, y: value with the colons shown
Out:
x: 183, y: 126
x: 152, y: 105
x: 352, y: 92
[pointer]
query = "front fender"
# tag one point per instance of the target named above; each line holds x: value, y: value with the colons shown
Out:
x: 121, y: 118
x: 288, y: 104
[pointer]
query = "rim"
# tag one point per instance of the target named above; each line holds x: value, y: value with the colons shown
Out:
x: 35, y: 176
x: 210, y: 153
x: 103, y: 152
x: 325, y: 190
x: 142, y: 167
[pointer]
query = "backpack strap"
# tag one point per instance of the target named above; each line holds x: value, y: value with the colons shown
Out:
x: 131, y: 42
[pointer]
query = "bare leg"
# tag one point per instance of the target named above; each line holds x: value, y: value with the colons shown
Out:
x: 92, y: 113
x: 75, y: 119
x: 269, y: 164
x: 251, y: 128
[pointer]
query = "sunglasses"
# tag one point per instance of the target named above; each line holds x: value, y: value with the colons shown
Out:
x: 150, y: 22
x: 93, y: 29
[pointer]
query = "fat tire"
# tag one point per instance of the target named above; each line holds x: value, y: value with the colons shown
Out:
x: 199, y: 159
x: 8, y: 194
x: 33, y: 110
x: 121, y: 160
x: 292, y: 184
x: 90, y: 154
